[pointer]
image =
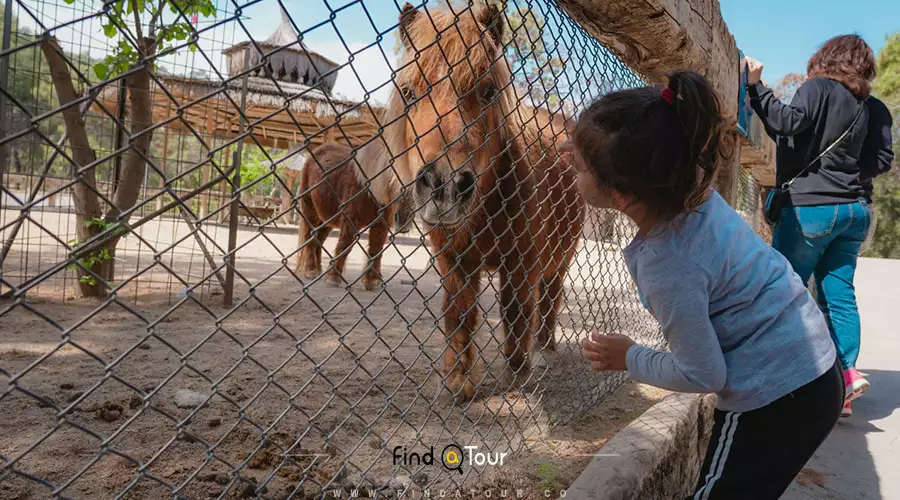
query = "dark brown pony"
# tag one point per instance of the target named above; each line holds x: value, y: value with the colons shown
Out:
x: 487, y: 181
x: 331, y: 197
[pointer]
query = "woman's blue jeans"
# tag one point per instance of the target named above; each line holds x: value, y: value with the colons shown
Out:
x: 825, y: 240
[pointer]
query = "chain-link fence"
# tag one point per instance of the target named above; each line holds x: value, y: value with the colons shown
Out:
x: 750, y: 204
x: 211, y: 283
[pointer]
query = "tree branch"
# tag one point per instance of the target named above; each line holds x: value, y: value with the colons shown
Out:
x: 137, y: 20
x: 132, y: 176
x: 156, y: 16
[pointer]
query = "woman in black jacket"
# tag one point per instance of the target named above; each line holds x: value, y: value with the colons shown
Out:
x: 877, y: 157
x: 822, y: 136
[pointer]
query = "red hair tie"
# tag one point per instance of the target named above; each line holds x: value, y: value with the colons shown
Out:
x: 668, y: 95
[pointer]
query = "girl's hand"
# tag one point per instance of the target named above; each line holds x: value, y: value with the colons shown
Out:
x: 754, y: 71
x: 606, y: 352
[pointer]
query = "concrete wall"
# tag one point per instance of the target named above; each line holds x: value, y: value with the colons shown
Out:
x: 657, y: 457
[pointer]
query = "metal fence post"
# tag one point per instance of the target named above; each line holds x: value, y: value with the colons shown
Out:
x: 4, y: 83
x: 235, y: 194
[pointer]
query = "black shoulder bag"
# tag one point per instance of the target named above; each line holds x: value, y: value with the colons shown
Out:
x: 777, y: 197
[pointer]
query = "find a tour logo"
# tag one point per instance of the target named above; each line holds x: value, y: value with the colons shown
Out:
x: 453, y: 457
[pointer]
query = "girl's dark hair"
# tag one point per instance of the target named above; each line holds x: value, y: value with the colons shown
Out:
x: 847, y: 59
x: 663, y: 154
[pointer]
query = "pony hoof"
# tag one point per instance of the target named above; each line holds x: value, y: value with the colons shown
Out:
x: 545, y: 358
x: 334, y: 279
x: 517, y: 376
x: 459, y: 388
x: 310, y: 274
x: 372, y: 284
x: 540, y: 361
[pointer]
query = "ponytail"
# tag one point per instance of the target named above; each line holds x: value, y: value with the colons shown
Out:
x: 660, y: 145
x: 700, y: 115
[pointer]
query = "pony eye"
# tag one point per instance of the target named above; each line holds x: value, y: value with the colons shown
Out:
x: 488, y: 92
x: 408, y: 94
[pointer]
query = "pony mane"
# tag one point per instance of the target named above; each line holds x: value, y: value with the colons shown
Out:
x: 443, y: 39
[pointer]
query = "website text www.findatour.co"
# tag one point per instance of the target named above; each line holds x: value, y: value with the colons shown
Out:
x: 426, y: 493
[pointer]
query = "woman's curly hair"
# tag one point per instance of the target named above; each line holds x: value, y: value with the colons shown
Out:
x: 847, y: 59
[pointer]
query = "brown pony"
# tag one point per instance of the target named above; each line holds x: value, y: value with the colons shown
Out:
x: 331, y: 197
x: 491, y: 188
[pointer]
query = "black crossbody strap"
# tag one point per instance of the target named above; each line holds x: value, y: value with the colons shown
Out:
x: 788, y: 184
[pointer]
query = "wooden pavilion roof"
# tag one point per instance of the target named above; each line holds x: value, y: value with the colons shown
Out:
x: 281, y: 114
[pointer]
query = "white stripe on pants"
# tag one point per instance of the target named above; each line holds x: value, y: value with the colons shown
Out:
x: 718, y: 462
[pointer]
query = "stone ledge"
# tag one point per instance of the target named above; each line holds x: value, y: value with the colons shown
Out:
x: 657, y: 457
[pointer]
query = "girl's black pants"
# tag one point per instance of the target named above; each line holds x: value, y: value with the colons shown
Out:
x: 755, y: 455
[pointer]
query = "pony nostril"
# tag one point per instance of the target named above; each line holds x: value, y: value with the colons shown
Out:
x: 427, y: 177
x: 465, y: 185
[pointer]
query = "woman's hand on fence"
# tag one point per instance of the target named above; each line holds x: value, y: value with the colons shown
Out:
x: 754, y: 71
x: 606, y: 352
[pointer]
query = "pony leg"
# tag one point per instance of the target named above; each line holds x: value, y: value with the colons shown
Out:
x: 341, y: 251
x: 462, y: 371
x: 286, y: 195
x: 548, y: 306
x: 377, y: 236
x: 307, y: 263
x: 518, y: 305
x: 309, y: 227
x: 321, y: 236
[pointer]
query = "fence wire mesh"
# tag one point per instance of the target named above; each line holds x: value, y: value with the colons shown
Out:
x: 750, y: 204
x: 212, y: 283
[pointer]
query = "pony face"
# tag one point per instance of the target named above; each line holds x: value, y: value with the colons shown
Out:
x: 453, y: 91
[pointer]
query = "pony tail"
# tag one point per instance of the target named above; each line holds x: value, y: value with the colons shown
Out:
x: 699, y: 112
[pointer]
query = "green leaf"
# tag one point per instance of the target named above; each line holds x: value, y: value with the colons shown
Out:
x: 102, y: 71
x: 110, y: 30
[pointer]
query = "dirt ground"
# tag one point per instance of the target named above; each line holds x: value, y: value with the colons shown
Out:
x: 301, y: 385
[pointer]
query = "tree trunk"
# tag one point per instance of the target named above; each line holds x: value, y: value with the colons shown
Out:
x: 135, y: 163
x: 132, y: 176
x: 89, y: 218
x: 84, y: 192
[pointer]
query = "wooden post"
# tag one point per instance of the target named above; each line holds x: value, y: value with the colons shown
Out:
x: 4, y: 81
x: 206, y: 169
x: 165, y: 170
x: 205, y: 177
x: 223, y: 187
x: 230, y: 260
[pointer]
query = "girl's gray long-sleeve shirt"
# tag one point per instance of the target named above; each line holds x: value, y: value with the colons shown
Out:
x: 738, y: 320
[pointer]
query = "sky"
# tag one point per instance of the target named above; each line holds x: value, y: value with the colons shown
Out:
x: 783, y: 34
